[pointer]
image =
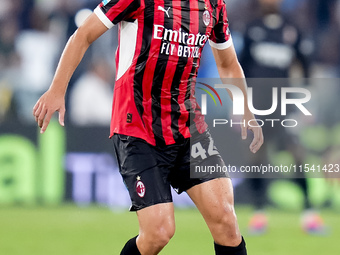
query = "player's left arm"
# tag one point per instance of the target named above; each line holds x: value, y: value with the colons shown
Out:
x: 229, y: 67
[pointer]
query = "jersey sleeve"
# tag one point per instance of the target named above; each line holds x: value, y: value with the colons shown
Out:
x: 111, y: 12
x: 220, y: 37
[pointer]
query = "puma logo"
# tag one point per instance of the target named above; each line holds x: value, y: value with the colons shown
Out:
x: 160, y: 8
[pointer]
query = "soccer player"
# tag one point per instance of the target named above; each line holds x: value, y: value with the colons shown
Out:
x: 272, y: 44
x: 155, y: 116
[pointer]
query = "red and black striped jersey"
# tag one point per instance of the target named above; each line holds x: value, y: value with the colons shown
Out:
x: 158, y: 55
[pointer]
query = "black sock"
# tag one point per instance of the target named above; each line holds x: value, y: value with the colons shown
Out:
x: 227, y: 250
x: 130, y: 247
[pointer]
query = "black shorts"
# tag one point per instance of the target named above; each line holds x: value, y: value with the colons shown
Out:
x: 148, y: 171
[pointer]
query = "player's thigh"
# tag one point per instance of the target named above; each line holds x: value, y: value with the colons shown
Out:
x: 214, y: 188
x: 213, y: 198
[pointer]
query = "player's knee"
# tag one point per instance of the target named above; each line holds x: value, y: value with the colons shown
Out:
x: 225, y: 215
x: 164, y: 234
x: 160, y: 236
x: 227, y: 224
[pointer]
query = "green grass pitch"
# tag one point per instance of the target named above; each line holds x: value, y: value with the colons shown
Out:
x: 70, y: 230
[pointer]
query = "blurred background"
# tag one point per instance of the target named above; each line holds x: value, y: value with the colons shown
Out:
x: 61, y: 193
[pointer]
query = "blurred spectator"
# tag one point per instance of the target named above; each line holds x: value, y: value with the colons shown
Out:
x: 37, y: 48
x: 91, y: 96
x: 327, y: 37
x: 63, y: 14
x: 323, y: 10
x: 9, y: 29
x: 32, y: 34
x: 9, y: 59
x: 63, y: 21
x: 8, y: 33
x: 337, y: 13
x: 5, y: 101
x: 272, y: 46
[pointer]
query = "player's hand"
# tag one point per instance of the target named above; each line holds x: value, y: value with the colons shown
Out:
x: 46, y: 106
x: 256, y: 129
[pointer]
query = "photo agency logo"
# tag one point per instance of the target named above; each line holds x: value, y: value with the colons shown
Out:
x: 281, y: 98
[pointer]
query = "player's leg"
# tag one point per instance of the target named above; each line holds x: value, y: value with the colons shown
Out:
x: 257, y: 184
x: 212, y: 192
x: 215, y: 200
x: 156, y: 227
x: 311, y: 220
x: 145, y: 174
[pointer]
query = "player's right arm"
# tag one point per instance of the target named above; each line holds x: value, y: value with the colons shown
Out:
x: 54, y: 98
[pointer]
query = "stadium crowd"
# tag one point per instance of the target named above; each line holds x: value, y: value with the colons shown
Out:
x: 33, y: 33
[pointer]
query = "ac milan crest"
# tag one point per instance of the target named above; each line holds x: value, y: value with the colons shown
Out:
x: 206, y: 17
x: 140, y: 188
